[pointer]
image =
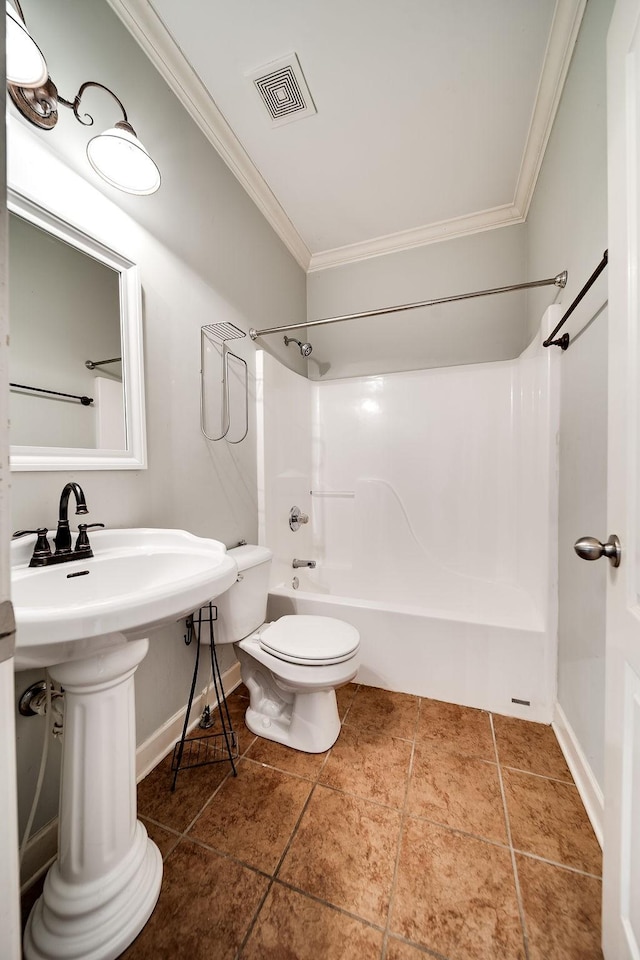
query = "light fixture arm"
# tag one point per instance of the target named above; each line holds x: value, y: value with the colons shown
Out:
x: 75, y: 103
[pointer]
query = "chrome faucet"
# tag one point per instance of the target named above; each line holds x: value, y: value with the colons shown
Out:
x: 303, y: 563
x: 62, y: 538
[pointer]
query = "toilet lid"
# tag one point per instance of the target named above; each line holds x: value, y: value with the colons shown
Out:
x: 310, y: 640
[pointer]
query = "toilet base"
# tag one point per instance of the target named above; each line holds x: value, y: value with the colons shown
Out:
x: 290, y: 703
x: 310, y: 723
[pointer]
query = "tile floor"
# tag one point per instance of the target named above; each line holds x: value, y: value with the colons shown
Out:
x: 428, y: 830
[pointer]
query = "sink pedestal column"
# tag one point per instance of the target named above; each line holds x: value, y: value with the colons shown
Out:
x: 105, y: 883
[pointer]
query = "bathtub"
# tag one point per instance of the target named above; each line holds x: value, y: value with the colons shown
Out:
x: 480, y: 655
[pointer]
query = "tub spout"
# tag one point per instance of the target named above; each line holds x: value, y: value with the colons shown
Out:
x: 303, y: 563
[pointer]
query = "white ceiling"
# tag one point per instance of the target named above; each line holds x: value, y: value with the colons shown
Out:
x: 432, y: 115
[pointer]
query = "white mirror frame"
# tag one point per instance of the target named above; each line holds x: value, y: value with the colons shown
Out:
x: 71, y: 458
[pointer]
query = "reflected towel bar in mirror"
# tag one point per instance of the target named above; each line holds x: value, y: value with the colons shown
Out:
x: 92, y: 364
x: 85, y: 401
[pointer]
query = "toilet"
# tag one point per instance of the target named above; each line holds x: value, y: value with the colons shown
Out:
x: 292, y: 666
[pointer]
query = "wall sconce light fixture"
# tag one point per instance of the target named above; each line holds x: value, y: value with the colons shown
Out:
x: 26, y: 66
x: 116, y: 155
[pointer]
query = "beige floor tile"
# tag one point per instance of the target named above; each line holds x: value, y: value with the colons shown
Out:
x: 344, y: 852
x: 369, y: 764
x: 458, y: 791
x: 456, y: 895
x: 530, y: 746
x: 394, y: 714
x: 163, y: 839
x: 562, y: 912
x: 285, y: 758
x: 462, y: 729
x: 398, y: 950
x: 193, y: 788
x: 253, y: 815
x: 206, y: 905
x: 344, y: 696
x: 291, y: 925
x: 547, y: 818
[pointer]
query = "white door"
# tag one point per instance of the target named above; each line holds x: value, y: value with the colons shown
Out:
x: 621, y: 886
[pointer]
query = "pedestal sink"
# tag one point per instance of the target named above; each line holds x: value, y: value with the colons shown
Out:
x: 89, y: 622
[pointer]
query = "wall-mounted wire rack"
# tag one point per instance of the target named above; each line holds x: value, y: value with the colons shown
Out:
x: 232, y: 368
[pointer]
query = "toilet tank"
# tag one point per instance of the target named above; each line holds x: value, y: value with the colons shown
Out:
x: 243, y: 608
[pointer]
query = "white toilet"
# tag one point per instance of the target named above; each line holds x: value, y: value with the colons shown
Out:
x: 292, y: 666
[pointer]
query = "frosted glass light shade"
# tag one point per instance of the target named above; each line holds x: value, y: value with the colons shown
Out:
x: 26, y: 66
x: 119, y: 158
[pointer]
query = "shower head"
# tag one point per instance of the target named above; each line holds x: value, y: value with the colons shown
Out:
x: 305, y: 348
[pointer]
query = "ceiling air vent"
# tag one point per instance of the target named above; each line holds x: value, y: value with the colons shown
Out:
x: 284, y: 90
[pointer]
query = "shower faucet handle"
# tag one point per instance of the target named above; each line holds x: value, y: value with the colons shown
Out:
x: 296, y: 517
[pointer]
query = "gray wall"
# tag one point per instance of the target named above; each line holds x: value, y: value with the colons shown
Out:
x: 205, y: 254
x: 567, y: 227
x: 491, y: 328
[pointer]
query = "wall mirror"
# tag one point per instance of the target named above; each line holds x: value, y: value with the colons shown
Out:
x: 76, y: 365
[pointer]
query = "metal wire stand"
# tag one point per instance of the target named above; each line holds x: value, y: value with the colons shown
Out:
x: 216, y: 747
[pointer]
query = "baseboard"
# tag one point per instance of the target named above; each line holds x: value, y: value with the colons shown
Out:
x: 42, y: 848
x: 587, y: 785
x: 160, y: 743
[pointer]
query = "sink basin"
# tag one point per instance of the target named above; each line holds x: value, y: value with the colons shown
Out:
x: 136, y: 581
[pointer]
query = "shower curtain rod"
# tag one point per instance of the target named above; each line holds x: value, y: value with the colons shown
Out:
x: 559, y: 281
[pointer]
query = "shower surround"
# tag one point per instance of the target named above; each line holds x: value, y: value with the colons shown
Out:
x: 432, y: 498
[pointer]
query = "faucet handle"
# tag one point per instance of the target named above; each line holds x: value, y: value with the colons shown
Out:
x: 82, y: 543
x: 42, y: 547
x: 296, y: 517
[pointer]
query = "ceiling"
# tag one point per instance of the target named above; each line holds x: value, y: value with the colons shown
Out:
x: 432, y: 115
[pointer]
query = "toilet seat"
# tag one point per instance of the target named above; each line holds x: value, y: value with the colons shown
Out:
x: 308, y: 640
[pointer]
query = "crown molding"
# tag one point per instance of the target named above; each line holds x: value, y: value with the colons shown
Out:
x: 418, y: 237
x: 567, y: 18
x: 149, y: 31
x: 562, y: 40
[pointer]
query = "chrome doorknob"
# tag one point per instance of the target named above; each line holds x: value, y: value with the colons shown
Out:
x: 591, y: 549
